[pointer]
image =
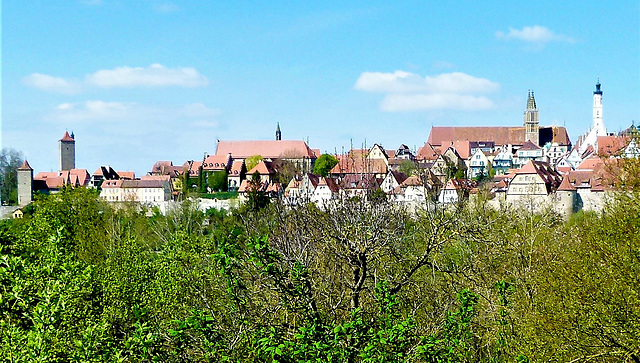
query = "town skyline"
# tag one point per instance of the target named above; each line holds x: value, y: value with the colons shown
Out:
x: 150, y: 81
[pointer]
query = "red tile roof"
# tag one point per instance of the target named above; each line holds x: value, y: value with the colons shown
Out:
x: 67, y: 137
x: 264, y: 168
x: 566, y: 185
x: 501, y: 135
x: 359, y: 165
x: 236, y: 168
x: 127, y: 174
x: 25, y: 166
x: 216, y: 162
x: 270, y: 149
x: 611, y: 145
x: 528, y: 145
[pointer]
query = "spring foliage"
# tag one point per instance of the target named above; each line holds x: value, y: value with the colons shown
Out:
x: 80, y: 281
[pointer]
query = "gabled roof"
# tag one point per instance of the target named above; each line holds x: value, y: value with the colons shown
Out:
x: 398, y: 176
x: 428, y: 152
x: 528, y: 145
x: 329, y: 183
x: 269, y: 149
x: 263, y: 167
x: 549, y: 175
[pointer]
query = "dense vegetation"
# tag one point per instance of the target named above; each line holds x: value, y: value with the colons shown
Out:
x: 82, y: 282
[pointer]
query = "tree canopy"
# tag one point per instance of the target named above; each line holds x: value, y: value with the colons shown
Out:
x: 324, y: 164
x: 353, y: 282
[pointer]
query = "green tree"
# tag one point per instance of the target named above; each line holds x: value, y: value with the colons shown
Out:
x: 218, y: 181
x: 252, y: 161
x: 256, y: 197
x: 324, y: 164
x: 407, y: 167
x: 10, y: 161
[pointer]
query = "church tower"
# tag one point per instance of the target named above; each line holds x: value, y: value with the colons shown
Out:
x: 598, y: 123
x: 278, y: 133
x: 67, y: 152
x: 531, y: 122
x: 25, y: 184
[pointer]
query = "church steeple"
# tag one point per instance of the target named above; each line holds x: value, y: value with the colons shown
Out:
x: 531, y: 122
x: 278, y: 133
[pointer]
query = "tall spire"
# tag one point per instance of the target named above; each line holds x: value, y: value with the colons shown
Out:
x: 278, y: 133
x: 531, y: 123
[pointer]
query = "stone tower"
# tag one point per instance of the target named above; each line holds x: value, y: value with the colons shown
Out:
x: 67, y: 152
x: 531, y: 122
x: 25, y: 184
x: 278, y: 133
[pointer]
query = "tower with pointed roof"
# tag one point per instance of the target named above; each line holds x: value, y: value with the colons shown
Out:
x: 597, y: 127
x: 67, y: 152
x: 25, y: 184
x: 278, y: 133
x: 531, y: 122
x: 598, y: 123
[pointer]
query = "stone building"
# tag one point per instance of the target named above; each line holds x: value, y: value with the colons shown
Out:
x: 25, y: 184
x: 67, y: 152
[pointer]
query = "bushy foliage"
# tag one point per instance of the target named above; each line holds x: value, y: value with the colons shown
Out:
x: 355, y: 282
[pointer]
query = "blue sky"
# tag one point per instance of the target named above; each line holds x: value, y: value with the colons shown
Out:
x: 141, y: 80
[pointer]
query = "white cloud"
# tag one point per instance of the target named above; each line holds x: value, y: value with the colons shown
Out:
x: 93, y: 111
x: 533, y: 34
x: 410, y: 92
x: 155, y: 75
x: 133, y: 114
x: 439, y: 101
x: 405, y: 82
x: 51, y: 84
x: 166, y: 7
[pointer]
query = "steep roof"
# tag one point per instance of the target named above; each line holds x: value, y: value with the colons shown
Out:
x: 25, y: 166
x: 566, y: 185
x: 271, y: 149
x: 428, y: 152
x: 264, y: 168
x: 67, y: 137
x: 236, y: 168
